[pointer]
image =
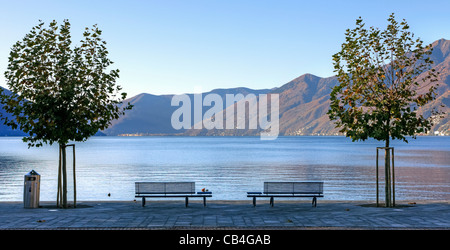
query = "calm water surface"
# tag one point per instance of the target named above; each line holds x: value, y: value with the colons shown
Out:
x: 230, y: 166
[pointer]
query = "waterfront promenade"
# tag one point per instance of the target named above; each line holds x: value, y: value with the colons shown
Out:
x: 168, y: 215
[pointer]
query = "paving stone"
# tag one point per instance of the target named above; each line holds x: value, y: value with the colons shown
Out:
x: 225, y: 214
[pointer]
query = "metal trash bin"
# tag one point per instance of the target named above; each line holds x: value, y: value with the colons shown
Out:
x: 31, y: 190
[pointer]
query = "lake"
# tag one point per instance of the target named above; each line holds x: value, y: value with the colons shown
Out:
x: 230, y: 166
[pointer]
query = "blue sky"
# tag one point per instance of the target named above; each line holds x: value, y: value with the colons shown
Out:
x: 174, y: 47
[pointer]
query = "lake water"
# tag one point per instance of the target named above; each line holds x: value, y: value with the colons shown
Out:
x: 230, y: 166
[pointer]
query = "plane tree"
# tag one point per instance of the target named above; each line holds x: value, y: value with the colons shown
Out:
x: 61, y: 93
x: 384, y: 76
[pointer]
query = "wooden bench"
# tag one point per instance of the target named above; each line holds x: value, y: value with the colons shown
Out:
x: 169, y: 190
x: 289, y: 190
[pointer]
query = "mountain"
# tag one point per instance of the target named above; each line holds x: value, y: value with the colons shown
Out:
x: 304, y: 102
x: 441, y: 59
x: 151, y: 114
x: 6, y: 130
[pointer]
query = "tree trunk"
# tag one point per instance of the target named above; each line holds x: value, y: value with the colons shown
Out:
x: 387, y: 162
x: 387, y: 172
x: 64, y: 175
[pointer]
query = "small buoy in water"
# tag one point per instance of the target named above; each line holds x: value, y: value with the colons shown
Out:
x: 109, y: 194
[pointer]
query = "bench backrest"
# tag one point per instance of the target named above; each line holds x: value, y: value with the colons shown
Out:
x: 293, y: 187
x: 165, y: 187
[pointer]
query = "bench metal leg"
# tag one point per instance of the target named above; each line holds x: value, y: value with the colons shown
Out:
x: 271, y: 201
x: 187, y: 201
x: 314, y: 202
x: 254, y: 201
x: 204, y: 201
x: 143, y: 201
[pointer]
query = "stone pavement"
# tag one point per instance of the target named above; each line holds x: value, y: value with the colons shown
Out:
x: 226, y: 215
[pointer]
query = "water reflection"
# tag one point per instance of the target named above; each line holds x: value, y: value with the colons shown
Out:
x: 230, y: 166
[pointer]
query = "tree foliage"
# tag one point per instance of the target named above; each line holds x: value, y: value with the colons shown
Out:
x: 61, y: 93
x: 384, y: 77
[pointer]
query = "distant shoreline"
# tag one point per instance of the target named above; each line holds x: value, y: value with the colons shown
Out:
x: 187, y: 135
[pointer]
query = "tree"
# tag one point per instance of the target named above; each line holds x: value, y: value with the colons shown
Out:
x: 384, y: 77
x: 60, y: 93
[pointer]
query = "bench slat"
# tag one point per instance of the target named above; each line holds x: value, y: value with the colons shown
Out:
x: 293, y: 187
x: 168, y: 190
x: 165, y: 187
x: 312, y: 189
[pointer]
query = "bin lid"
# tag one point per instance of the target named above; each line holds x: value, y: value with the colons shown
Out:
x: 32, y: 172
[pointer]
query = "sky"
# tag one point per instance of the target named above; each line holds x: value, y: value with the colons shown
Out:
x: 188, y: 46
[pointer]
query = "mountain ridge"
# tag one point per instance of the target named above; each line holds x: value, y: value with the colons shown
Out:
x: 304, y: 102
